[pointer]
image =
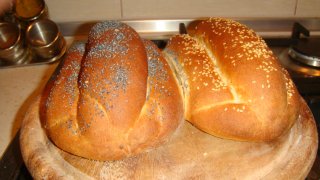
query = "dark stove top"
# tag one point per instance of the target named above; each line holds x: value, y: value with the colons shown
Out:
x: 11, y: 163
x: 306, y: 79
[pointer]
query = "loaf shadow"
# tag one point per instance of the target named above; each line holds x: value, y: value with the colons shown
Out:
x: 81, y: 31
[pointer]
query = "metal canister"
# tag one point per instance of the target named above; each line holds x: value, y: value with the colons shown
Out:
x: 12, y: 48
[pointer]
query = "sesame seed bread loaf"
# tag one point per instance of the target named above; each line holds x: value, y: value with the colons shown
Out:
x: 233, y: 85
x: 113, y: 97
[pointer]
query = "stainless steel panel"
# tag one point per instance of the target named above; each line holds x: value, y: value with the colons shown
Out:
x: 163, y: 29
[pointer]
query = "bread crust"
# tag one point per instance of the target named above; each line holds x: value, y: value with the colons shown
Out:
x: 116, y: 97
x: 239, y: 90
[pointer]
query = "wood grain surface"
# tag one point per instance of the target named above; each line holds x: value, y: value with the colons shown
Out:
x: 190, y: 154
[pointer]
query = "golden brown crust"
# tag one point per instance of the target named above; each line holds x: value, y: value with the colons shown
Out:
x: 119, y: 100
x: 118, y: 95
x: 257, y: 100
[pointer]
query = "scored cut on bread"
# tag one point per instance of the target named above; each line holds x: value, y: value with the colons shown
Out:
x: 118, y: 95
x: 234, y: 87
x: 115, y: 97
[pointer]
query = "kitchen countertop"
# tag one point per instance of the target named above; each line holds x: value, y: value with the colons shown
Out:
x: 19, y: 86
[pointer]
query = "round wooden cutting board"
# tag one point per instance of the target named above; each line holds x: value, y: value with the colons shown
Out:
x: 190, y: 154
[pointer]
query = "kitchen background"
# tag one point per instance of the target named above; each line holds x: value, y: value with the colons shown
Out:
x: 82, y: 10
x: 20, y: 85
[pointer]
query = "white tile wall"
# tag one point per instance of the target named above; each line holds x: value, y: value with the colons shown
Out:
x: 308, y: 8
x: 90, y: 10
x: 204, y: 8
x: 83, y: 10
